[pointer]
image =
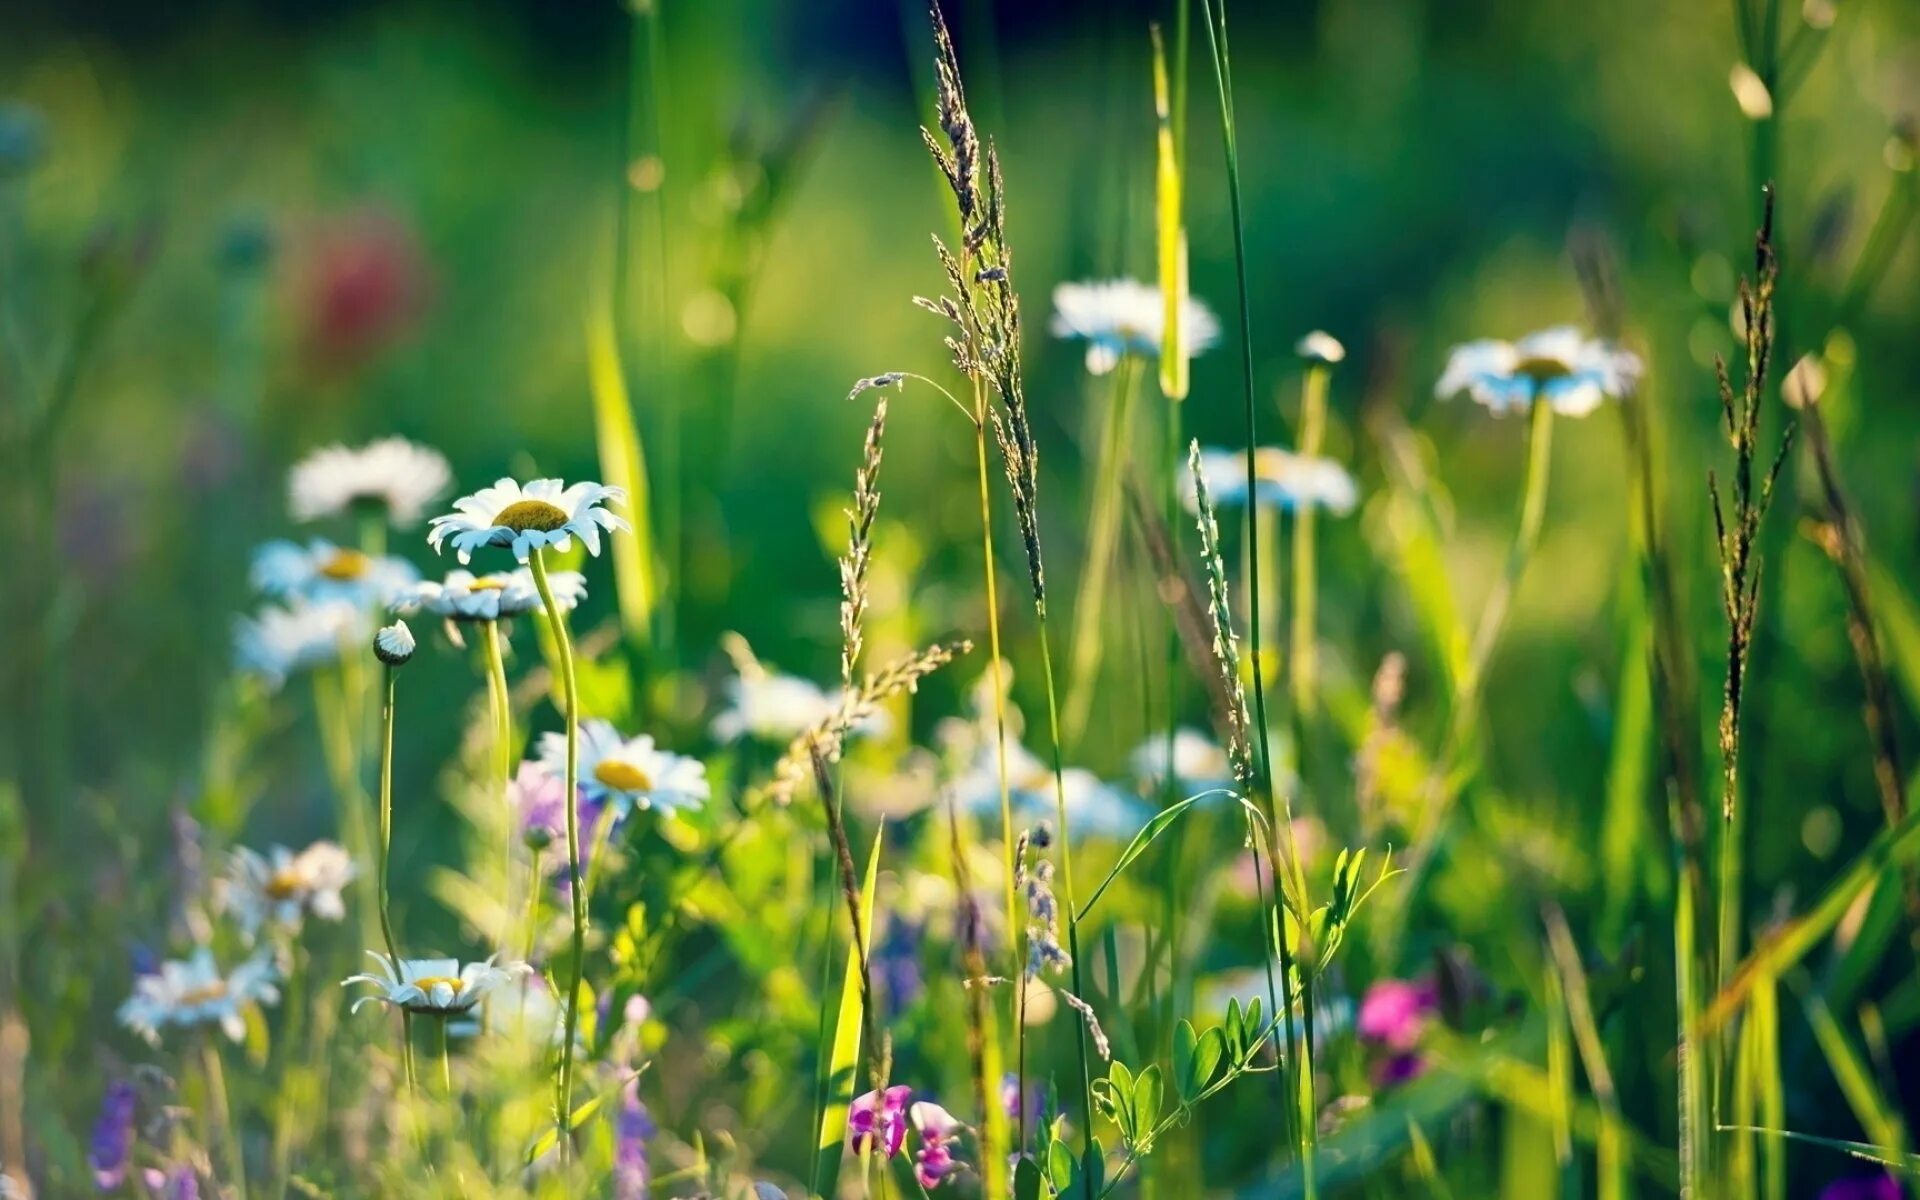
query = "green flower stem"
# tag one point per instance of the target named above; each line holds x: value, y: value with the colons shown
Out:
x: 446, y: 1058
x: 1303, y: 666
x: 1083, y: 665
x: 1066, y: 882
x: 500, y: 708
x: 1440, y: 789
x: 1016, y: 935
x: 570, y: 684
x: 384, y: 849
x: 220, y: 1101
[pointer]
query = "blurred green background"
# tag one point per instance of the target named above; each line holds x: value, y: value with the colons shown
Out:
x: 361, y: 219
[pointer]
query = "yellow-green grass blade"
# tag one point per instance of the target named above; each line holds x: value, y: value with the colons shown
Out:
x: 622, y: 465
x: 844, y: 1062
x: 1171, y: 233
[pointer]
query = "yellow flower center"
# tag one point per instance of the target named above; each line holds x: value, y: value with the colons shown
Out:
x: 1541, y: 368
x: 427, y: 983
x: 284, y: 885
x: 622, y: 776
x: 345, y: 565
x: 488, y: 583
x: 205, y: 993
x: 523, y: 515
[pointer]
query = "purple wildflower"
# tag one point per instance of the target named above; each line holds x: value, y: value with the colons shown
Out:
x: 896, y: 964
x: 1879, y: 1186
x: 938, y: 1131
x: 538, y: 797
x: 174, y: 1183
x: 113, y: 1136
x: 875, y: 1117
x: 1010, y: 1098
x: 632, y: 1127
x: 1395, y: 1013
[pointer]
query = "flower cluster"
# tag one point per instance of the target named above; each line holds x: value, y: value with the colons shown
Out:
x: 1033, y: 876
x: 877, y: 1124
x: 1394, y: 1017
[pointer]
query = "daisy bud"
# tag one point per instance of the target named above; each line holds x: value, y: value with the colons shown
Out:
x: 393, y: 645
x: 1320, y: 347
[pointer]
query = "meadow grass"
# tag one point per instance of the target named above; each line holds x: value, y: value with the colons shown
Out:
x: 1279, y: 882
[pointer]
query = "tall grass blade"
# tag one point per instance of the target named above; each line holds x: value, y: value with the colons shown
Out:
x: 622, y: 464
x: 844, y: 1062
x: 1170, y: 232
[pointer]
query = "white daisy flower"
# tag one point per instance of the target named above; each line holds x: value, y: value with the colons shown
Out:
x: 1568, y: 370
x: 529, y: 1015
x: 277, y: 642
x: 1116, y: 317
x: 393, y: 473
x: 435, y: 986
x: 321, y: 571
x: 544, y: 513
x: 628, y: 773
x: 194, y: 991
x: 464, y: 596
x: 1282, y: 479
x: 280, y: 887
x: 1198, y: 763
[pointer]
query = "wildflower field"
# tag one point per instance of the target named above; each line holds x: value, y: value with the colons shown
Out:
x: 762, y: 600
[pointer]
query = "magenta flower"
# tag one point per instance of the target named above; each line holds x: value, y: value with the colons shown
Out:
x: 1881, y: 1186
x: 877, y: 1117
x: 938, y: 1131
x: 1396, y: 1012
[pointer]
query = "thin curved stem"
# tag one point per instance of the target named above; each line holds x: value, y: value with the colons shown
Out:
x: 570, y: 685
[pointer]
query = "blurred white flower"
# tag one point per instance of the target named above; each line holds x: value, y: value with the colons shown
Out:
x: 277, y: 642
x: 464, y: 596
x: 1116, y: 317
x: 628, y: 773
x: 194, y: 992
x: 1282, y: 479
x: 543, y: 513
x: 1571, y: 372
x: 320, y: 571
x: 776, y: 707
x: 280, y: 887
x: 1198, y: 763
x: 435, y: 986
x: 1320, y: 347
x: 398, y: 476
x: 1093, y: 808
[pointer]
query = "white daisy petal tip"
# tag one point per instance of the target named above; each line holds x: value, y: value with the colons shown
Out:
x: 1320, y: 347
x: 394, y: 644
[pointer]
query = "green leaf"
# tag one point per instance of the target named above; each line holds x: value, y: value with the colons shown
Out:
x: 583, y: 1113
x: 845, y: 1060
x: 1206, y: 1060
x: 1148, y: 832
x: 1184, y: 1044
x: 1094, y: 1167
x: 1147, y: 1091
x: 1059, y: 1167
x: 1026, y: 1180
